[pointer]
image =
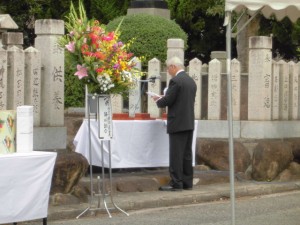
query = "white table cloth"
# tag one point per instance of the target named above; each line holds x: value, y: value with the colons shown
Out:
x: 135, y: 143
x: 25, y: 180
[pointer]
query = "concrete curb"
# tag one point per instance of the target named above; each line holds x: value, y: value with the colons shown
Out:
x: 154, y: 199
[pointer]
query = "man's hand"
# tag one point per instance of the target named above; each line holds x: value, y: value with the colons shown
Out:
x: 156, y: 98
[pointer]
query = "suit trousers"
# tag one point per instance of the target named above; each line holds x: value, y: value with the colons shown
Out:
x: 181, y: 159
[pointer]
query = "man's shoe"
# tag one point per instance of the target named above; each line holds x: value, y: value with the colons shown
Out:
x: 188, y: 188
x: 169, y: 188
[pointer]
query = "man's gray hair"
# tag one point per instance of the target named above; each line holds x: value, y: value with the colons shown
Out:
x: 175, y: 61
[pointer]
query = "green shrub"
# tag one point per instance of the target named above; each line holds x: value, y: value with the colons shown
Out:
x: 150, y: 34
x: 74, y: 91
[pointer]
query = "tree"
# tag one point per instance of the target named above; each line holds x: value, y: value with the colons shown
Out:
x: 105, y: 10
x: 203, y: 22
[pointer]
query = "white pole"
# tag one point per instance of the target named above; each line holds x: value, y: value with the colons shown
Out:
x: 229, y: 115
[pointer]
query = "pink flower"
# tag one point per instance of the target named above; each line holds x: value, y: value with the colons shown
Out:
x: 109, y: 37
x: 71, y: 46
x: 81, y: 72
x: 72, y: 33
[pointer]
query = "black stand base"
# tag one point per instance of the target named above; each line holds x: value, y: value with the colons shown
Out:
x: 44, y: 221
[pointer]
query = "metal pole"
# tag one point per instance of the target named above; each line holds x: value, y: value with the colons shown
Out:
x: 229, y: 116
x: 90, y: 152
x: 90, y: 157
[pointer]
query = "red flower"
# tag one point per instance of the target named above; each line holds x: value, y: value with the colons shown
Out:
x: 99, y: 55
x: 99, y: 70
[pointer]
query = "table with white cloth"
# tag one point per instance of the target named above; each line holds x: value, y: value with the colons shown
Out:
x: 135, y: 144
x: 25, y: 180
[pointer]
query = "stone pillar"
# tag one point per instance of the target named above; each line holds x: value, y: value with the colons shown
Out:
x: 294, y: 89
x: 298, y: 65
x: 195, y: 67
x: 275, y: 91
x: 117, y: 103
x: 284, y: 90
x: 236, y: 89
x: 175, y: 48
x: 52, y: 128
x: 15, y: 78
x: 33, y: 82
x: 221, y: 56
x: 152, y: 7
x: 10, y: 39
x: 154, y: 69
x: 135, y: 96
x: 260, y: 69
x: 52, y: 57
x: 3, y: 79
x: 7, y: 23
x: 214, y: 90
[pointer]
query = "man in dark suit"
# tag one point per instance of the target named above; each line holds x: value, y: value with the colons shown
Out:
x: 180, y: 99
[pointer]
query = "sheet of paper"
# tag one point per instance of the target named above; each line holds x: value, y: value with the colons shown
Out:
x: 153, y: 94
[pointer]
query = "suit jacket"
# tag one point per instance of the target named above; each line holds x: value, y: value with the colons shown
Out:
x: 180, y: 100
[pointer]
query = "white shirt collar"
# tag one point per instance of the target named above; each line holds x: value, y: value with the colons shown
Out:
x: 179, y: 71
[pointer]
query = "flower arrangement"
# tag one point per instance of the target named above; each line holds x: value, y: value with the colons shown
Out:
x: 98, y: 57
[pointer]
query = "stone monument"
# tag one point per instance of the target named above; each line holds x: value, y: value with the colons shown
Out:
x: 152, y: 7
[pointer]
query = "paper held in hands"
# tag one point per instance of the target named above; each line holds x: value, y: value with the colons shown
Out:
x: 152, y: 94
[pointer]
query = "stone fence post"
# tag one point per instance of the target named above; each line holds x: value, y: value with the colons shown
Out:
x: 52, y: 133
x: 260, y: 71
x: 154, y: 69
x: 15, y: 78
x: 294, y: 89
x: 195, y: 67
x: 284, y: 90
x: 33, y: 82
x: 48, y: 33
x: 214, y: 90
x: 3, y: 79
x: 175, y: 48
x: 135, y: 97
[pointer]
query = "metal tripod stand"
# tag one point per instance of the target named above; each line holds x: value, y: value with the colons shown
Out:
x: 102, y: 192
